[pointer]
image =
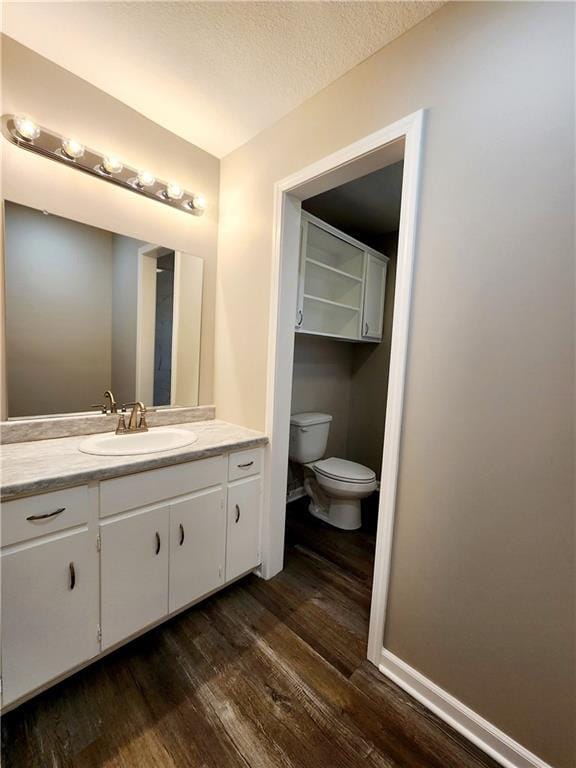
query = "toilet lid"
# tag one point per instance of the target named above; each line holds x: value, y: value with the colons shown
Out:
x: 340, y: 469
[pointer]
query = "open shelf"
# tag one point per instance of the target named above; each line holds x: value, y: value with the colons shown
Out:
x: 332, y: 285
x: 333, y: 269
x: 330, y: 318
x: 331, y: 251
x: 332, y: 303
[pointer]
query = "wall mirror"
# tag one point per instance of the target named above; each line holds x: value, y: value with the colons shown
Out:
x: 89, y: 310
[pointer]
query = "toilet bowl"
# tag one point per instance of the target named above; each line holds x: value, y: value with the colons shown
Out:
x: 345, y: 483
x: 341, y: 484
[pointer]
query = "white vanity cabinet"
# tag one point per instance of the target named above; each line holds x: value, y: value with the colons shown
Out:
x: 341, y: 284
x: 197, y: 547
x: 134, y: 572
x: 50, y: 591
x: 87, y: 568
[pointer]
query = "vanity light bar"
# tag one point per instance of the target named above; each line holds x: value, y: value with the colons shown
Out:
x: 24, y: 133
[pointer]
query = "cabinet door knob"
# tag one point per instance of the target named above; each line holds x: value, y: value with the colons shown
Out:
x: 158, y: 542
x: 72, y: 572
x: 237, y: 513
x: 46, y: 515
x: 181, y: 534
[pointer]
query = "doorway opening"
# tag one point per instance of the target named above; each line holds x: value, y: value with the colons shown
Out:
x: 316, y: 188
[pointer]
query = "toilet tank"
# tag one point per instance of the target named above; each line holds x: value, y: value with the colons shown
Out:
x: 308, y: 436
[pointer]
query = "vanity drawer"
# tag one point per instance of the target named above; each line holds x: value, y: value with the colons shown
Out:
x: 35, y: 516
x: 132, y: 491
x: 244, y: 463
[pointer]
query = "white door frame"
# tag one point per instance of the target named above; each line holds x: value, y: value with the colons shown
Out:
x: 348, y: 163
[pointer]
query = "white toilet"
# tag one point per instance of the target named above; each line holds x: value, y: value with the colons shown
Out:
x: 344, y: 483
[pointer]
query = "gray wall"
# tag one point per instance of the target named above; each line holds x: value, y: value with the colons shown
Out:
x: 482, y: 594
x: 322, y: 381
x: 58, y: 313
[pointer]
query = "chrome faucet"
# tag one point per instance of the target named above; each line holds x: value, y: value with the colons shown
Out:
x: 135, y: 423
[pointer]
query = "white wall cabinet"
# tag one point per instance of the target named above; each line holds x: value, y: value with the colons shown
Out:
x: 134, y: 573
x: 341, y: 284
x: 85, y: 569
x: 50, y: 610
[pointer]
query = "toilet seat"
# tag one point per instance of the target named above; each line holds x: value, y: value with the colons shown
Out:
x: 345, y: 471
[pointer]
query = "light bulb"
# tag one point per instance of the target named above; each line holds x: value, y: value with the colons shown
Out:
x: 111, y: 164
x: 173, y: 191
x: 198, y: 203
x: 26, y: 129
x: 145, y: 179
x: 72, y: 148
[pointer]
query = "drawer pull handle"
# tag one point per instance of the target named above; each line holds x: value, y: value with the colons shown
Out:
x: 72, y: 575
x: 181, y: 534
x: 245, y: 466
x: 46, y: 515
x: 237, y: 513
x: 158, y: 542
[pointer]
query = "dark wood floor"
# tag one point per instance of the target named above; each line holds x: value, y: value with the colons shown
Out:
x: 265, y: 674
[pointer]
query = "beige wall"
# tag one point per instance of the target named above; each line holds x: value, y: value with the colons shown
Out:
x: 58, y: 313
x: 63, y: 102
x: 482, y: 594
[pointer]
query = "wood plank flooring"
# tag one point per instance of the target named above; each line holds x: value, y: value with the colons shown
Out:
x: 262, y: 675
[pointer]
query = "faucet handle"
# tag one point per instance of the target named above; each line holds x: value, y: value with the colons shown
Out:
x: 121, y: 428
x: 102, y: 407
x: 142, y: 424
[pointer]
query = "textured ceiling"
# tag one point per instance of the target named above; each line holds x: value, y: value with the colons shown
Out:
x: 365, y: 208
x: 215, y: 73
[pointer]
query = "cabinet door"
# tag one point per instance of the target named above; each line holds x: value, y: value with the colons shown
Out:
x: 134, y: 573
x: 197, y: 547
x: 49, y: 611
x: 243, y: 539
x: 374, y: 292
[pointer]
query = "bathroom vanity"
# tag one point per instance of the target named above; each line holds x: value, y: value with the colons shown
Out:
x: 98, y: 549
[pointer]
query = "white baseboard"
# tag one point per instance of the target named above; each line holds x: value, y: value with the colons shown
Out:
x: 472, y: 726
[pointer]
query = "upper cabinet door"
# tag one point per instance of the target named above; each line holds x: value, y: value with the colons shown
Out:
x: 49, y: 611
x: 374, y: 295
x: 134, y: 573
x: 197, y: 547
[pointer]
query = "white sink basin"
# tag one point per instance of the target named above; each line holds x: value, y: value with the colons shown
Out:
x: 154, y: 441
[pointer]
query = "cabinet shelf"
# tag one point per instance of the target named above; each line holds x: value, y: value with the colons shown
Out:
x: 331, y: 303
x: 333, y: 269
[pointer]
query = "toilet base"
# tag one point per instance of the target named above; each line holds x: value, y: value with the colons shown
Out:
x: 344, y: 514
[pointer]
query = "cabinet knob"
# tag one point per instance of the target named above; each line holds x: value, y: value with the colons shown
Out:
x: 181, y: 534
x: 72, y: 573
x: 158, y: 543
x: 237, y: 513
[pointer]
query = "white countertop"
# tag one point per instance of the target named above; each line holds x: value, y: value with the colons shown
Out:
x: 47, y: 465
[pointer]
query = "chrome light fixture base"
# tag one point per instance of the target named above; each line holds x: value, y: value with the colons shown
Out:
x: 50, y: 144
